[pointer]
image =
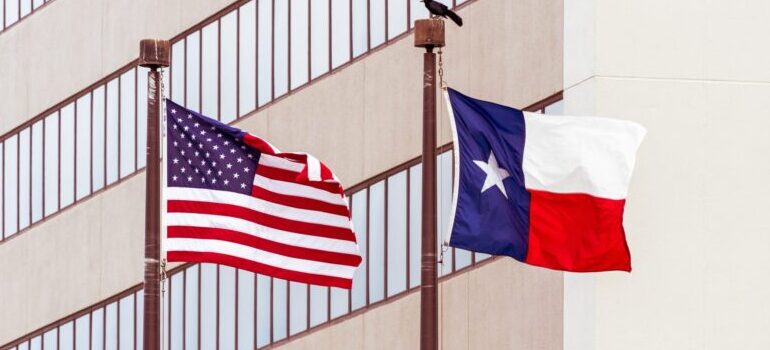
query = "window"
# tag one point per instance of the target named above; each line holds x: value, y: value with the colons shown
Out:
x: 83, y: 147
x: 319, y: 39
x: 10, y: 185
x: 247, y: 58
x: 299, y: 64
x: 67, y: 155
x: 209, y: 77
x: 229, y: 65
x: 396, y: 234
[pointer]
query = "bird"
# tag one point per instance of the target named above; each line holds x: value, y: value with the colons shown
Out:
x: 441, y: 10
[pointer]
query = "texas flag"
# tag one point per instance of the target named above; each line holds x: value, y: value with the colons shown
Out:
x: 545, y: 190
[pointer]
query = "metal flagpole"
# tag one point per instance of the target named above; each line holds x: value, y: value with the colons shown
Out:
x: 429, y: 34
x: 153, y: 54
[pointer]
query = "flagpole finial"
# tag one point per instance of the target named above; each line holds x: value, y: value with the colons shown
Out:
x: 154, y: 53
x: 429, y: 33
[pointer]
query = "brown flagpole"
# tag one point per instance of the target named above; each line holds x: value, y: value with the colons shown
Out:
x: 153, y: 54
x: 429, y: 34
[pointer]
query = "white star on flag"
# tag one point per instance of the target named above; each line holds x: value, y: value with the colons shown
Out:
x: 495, y: 174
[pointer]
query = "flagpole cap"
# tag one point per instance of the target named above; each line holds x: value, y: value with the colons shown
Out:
x: 154, y: 53
x: 429, y: 33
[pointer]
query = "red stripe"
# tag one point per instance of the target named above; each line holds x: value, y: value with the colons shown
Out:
x: 277, y: 173
x: 326, y: 173
x: 299, y: 202
x: 258, y: 143
x: 254, y: 266
x: 577, y: 232
x: 180, y: 206
x: 290, y: 176
x: 263, y: 244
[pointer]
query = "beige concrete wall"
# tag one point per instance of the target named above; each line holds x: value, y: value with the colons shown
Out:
x: 696, y: 218
x: 64, y: 47
x: 502, y: 305
x: 361, y: 121
x: 696, y: 210
x: 85, y: 254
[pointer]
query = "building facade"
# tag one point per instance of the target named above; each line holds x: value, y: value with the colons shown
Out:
x: 340, y: 79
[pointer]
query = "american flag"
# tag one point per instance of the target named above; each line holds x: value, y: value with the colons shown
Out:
x: 236, y: 200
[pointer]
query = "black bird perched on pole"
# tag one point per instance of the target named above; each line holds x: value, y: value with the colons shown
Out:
x: 441, y: 10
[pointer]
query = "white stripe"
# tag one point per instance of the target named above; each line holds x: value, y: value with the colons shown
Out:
x: 298, y: 190
x: 280, y: 163
x: 256, y: 204
x: 256, y: 230
x: 260, y: 256
x: 588, y: 155
x: 456, y: 183
x: 313, y: 168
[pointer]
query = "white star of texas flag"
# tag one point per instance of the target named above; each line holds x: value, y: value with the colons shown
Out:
x: 495, y: 174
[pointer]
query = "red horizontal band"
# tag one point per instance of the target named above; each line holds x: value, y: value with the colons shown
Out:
x: 577, y: 232
x: 319, y: 230
x: 263, y: 244
x: 253, y: 266
x: 299, y: 202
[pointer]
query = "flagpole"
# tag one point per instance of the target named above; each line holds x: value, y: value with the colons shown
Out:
x: 153, y: 54
x: 429, y: 34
